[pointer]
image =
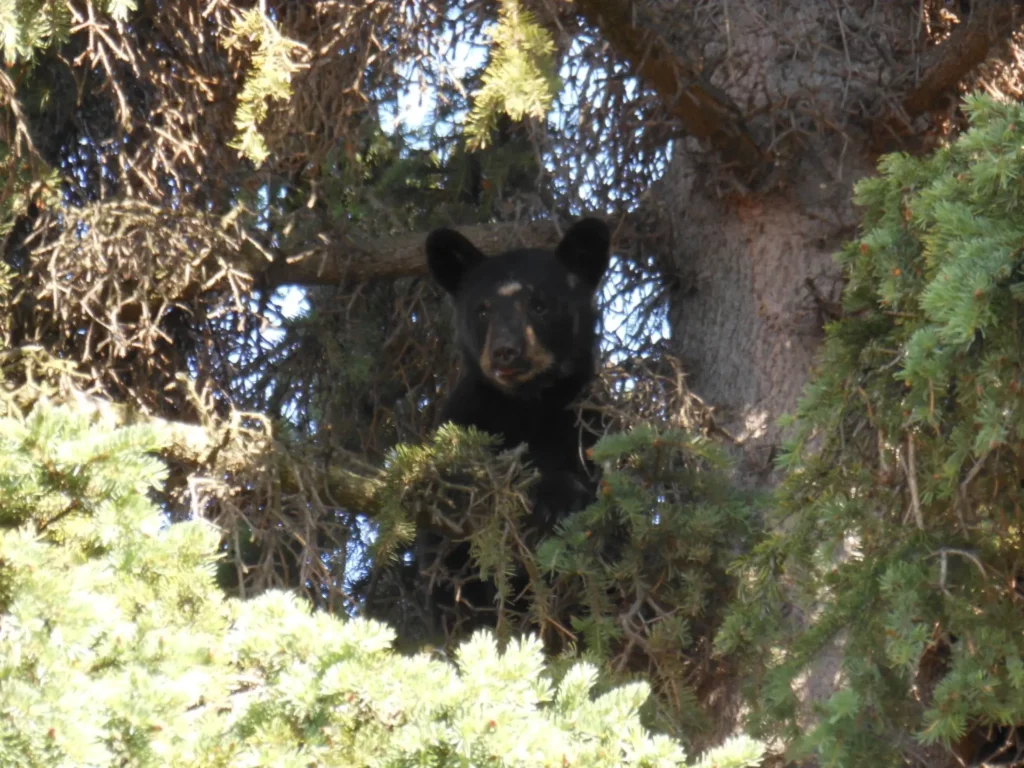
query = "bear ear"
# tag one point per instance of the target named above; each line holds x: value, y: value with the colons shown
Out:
x: 584, y: 250
x: 449, y: 256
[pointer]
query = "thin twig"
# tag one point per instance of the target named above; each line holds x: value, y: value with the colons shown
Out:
x: 910, y: 468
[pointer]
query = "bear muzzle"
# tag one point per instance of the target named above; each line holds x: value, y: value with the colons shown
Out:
x: 511, y: 359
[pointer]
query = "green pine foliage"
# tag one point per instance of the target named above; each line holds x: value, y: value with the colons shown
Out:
x: 22, y: 171
x: 270, y: 78
x: 900, y: 525
x: 453, y: 482
x: 30, y: 25
x: 647, y: 564
x: 27, y: 25
x: 638, y: 581
x: 520, y: 80
x: 116, y: 648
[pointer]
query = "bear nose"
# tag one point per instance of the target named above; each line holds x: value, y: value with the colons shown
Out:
x: 505, y: 354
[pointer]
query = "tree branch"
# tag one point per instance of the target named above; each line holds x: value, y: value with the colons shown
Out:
x: 350, y: 259
x: 198, y: 445
x: 346, y: 259
x: 703, y: 110
x: 991, y: 22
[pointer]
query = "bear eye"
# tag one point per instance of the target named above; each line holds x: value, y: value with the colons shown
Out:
x: 482, y: 309
x: 538, y: 305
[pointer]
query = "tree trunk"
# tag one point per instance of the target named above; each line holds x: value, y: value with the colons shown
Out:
x: 824, y: 87
x: 818, y: 88
x: 756, y: 277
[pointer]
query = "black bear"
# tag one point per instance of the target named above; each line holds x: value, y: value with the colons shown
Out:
x: 526, y: 327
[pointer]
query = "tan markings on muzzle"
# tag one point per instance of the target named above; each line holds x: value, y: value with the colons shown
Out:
x: 508, y: 289
x: 539, y: 358
x: 540, y: 361
x: 487, y: 364
x: 485, y: 358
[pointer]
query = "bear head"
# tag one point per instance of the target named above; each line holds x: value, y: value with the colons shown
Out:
x: 526, y: 318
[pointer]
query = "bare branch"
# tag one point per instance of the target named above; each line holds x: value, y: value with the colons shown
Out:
x: 355, y: 260
x: 910, y: 468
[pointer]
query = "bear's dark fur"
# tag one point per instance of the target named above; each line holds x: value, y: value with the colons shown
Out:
x: 526, y: 327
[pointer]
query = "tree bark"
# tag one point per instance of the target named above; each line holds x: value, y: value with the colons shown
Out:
x: 344, y: 259
x: 745, y: 320
x: 348, y: 259
x: 755, y: 273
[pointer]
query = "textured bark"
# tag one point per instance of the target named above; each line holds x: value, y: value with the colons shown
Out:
x: 745, y: 318
x: 965, y: 49
x: 747, y: 323
x: 353, y: 260
x: 756, y: 273
x: 707, y: 112
x: 753, y: 270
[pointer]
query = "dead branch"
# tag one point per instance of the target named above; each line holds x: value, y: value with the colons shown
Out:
x: 703, y: 110
x: 351, y: 259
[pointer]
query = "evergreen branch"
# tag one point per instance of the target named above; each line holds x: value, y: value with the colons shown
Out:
x: 927, y: 351
x: 198, y: 445
x: 145, y: 655
x: 703, y: 110
x: 520, y: 79
x: 74, y: 506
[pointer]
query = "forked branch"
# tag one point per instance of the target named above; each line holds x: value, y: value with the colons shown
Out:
x: 703, y: 110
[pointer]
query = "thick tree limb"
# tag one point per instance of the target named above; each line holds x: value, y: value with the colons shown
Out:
x: 344, y: 259
x: 991, y: 22
x: 353, y: 260
x: 703, y: 110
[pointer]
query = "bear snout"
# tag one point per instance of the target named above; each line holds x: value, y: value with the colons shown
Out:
x: 514, y: 356
x: 507, y: 355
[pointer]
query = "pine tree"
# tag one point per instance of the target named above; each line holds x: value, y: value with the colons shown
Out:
x: 117, y: 648
x: 900, y: 515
